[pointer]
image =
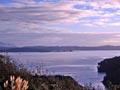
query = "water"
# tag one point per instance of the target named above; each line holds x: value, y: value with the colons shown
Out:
x: 81, y: 65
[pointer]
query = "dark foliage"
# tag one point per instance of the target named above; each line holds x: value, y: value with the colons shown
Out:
x: 111, y: 67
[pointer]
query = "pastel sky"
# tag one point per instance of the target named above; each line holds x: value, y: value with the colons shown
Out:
x: 60, y: 22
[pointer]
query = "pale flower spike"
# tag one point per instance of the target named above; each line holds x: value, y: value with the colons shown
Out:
x: 16, y: 84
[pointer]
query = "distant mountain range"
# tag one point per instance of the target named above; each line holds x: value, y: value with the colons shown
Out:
x: 5, y: 45
x: 57, y: 48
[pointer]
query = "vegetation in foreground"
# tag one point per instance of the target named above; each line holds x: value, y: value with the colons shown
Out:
x: 31, y: 82
x: 16, y: 84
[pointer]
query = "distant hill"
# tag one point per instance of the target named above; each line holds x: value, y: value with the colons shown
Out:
x: 5, y: 46
x: 58, y: 48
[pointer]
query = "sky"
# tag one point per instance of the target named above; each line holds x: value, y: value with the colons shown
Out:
x: 60, y: 22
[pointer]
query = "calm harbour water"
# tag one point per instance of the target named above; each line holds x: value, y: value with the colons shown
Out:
x: 81, y: 65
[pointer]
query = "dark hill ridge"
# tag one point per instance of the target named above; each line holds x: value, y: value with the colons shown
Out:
x: 58, y: 48
x: 110, y: 66
x: 36, y: 82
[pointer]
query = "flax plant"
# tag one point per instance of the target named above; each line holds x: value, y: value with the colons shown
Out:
x: 16, y: 84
